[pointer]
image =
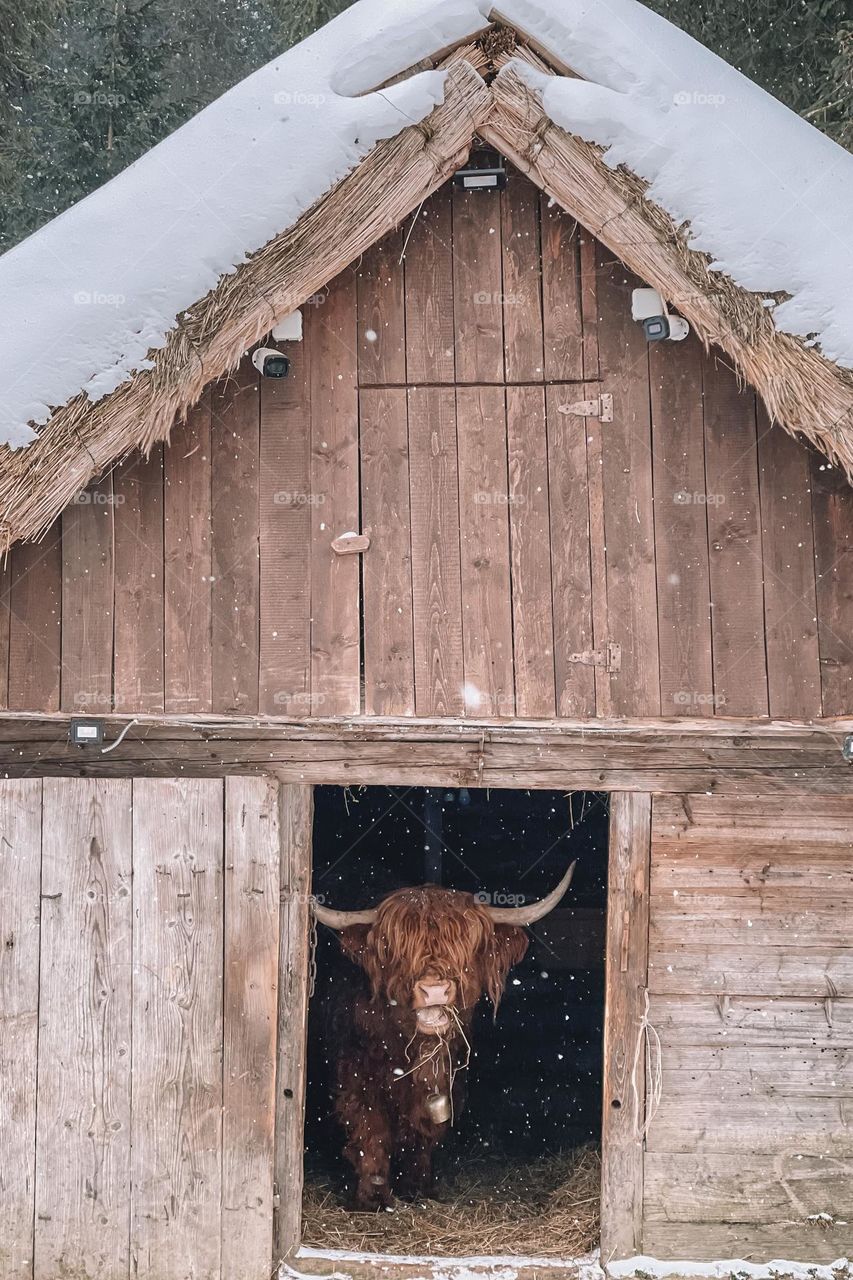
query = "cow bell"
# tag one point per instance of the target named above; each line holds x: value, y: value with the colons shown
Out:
x: 438, y: 1106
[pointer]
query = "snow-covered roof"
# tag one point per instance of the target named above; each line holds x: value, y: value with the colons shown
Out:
x: 90, y: 299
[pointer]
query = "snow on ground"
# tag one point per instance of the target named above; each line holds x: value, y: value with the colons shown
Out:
x: 767, y: 196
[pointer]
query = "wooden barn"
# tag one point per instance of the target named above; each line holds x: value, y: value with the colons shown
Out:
x: 483, y: 535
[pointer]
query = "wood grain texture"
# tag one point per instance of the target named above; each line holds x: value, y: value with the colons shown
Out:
x: 381, y: 314
x: 571, y: 582
x: 234, y: 530
x: 35, y: 593
x: 251, y: 904
x: 524, y: 358
x: 589, y: 305
x: 681, y: 528
x: 84, y: 1059
x: 530, y: 552
x: 714, y: 1188
x: 832, y: 518
x: 296, y: 820
x: 177, y: 1028
x: 436, y: 569
x: 484, y: 548
x: 334, y: 509
x: 188, y: 563
x: 626, y: 448
x: 561, y: 293
x: 689, y: 969
x: 753, y: 1241
x: 754, y: 1022
x: 389, y: 664
x: 5, y: 616
x: 748, y: 1126
x: 734, y: 540
x: 139, y: 603
x: 285, y: 539
x: 790, y: 606
x: 622, y: 1169
x: 430, y: 335
x: 20, y: 890
x: 478, y: 291
x: 87, y: 601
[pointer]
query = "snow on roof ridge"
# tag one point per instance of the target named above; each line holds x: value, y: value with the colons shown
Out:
x: 87, y: 297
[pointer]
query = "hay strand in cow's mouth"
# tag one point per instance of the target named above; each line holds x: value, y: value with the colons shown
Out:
x: 546, y: 1208
x: 438, y: 1053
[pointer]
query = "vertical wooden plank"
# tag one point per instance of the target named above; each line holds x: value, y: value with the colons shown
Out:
x: 430, y: 335
x: 250, y: 1017
x: 296, y: 819
x: 234, y: 515
x: 681, y: 528
x: 436, y: 570
x: 522, y: 280
x: 598, y: 551
x: 530, y: 550
x: 389, y: 662
x: 285, y: 539
x: 382, y: 314
x: 589, y: 305
x: 570, y: 563
x: 188, y: 566
x: 484, y: 542
x: 139, y: 604
x: 20, y: 889
x: 561, y: 293
x: 734, y: 541
x: 477, y: 286
x: 832, y: 515
x: 87, y: 601
x: 35, y: 623
x: 626, y: 977
x: 84, y: 1064
x: 628, y: 498
x: 177, y: 1028
x: 790, y: 605
x: 335, y: 646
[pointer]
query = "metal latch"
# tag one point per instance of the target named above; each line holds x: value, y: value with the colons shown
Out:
x: 609, y: 657
x: 601, y: 407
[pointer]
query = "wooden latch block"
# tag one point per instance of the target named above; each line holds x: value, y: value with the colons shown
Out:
x: 601, y: 407
x: 350, y: 544
x: 609, y: 657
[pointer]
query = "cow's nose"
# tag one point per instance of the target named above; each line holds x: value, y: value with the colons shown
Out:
x: 434, y: 992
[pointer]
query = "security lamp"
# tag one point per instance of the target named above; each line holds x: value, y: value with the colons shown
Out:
x: 485, y: 168
x: 86, y: 733
x: 649, y: 308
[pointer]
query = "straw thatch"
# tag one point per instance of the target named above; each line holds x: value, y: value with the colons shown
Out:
x: 806, y: 393
x: 546, y: 1209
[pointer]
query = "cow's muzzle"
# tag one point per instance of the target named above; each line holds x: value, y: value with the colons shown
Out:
x: 433, y: 998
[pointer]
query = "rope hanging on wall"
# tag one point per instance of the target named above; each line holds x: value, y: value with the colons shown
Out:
x: 649, y: 1048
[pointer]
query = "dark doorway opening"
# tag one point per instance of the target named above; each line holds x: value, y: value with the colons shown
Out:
x: 532, y: 1120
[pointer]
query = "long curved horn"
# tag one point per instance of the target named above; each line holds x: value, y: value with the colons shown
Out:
x: 535, y: 910
x: 340, y: 919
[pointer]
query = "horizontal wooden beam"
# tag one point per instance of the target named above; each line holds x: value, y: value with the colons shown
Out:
x: 600, y: 755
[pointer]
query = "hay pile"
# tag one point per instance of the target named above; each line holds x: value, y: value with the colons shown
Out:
x: 548, y: 1209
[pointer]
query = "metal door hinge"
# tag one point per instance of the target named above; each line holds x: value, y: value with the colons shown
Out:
x: 601, y: 407
x: 609, y: 657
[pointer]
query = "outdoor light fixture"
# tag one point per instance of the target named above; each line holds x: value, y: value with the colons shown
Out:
x: 86, y: 733
x: 485, y: 168
x: 847, y: 748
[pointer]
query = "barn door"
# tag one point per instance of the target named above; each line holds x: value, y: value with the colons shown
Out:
x: 140, y: 1005
x: 750, y: 1153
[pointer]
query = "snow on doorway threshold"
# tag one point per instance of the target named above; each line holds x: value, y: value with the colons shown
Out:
x: 342, y: 1264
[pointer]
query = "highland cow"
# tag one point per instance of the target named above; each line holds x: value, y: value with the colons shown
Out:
x: 402, y: 1027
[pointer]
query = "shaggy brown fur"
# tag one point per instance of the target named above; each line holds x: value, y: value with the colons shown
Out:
x: 386, y: 1070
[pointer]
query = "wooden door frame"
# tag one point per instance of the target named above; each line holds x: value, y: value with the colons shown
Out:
x: 626, y: 971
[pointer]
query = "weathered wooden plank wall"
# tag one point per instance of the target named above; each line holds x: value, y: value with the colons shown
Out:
x: 138, y: 1027
x: 750, y: 966
x: 425, y: 403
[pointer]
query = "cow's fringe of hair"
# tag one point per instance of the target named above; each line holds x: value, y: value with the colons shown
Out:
x: 423, y: 932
